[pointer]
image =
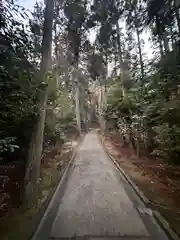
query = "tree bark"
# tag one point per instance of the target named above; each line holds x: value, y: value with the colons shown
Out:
x: 121, y: 59
x: 159, y: 35
x: 35, y: 149
x: 172, y: 38
x: 139, y: 44
x: 166, y: 42
x: 176, y: 6
x: 140, y: 53
x: 78, y: 116
x: 160, y: 46
x: 47, y: 37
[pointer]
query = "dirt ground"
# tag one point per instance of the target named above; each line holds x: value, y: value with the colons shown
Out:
x: 159, y: 181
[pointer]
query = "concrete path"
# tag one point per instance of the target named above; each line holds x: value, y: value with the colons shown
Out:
x: 95, y: 203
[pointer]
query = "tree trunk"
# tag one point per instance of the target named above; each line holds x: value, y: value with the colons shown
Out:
x: 35, y: 149
x: 102, y: 100
x: 46, y: 61
x: 120, y: 58
x: 159, y: 37
x: 78, y: 116
x: 35, y: 152
x: 138, y: 146
x: 105, y: 97
x: 139, y: 44
x: 140, y: 53
x: 176, y: 6
x: 56, y: 47
x: 166, y: 42
x: 172, y: 38
x: 160, y: 46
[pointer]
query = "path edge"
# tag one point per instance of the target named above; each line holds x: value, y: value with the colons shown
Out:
x: 63, y: 177
x: 157, y: 215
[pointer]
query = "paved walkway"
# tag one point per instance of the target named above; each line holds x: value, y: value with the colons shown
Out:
x: 95, y: 203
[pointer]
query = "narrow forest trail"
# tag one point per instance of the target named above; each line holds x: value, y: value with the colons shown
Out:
x: 96, y: 202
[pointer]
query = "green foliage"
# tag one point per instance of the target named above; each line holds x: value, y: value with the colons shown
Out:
x: 105, y: 14
x: 6, y: 145
x: 76, y: 14
x: 144, y: 106
x: 60, y: 112
x: 95, y: 66
x: 36, y: 27
x: 18, y: 82
x: 151, y: 112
